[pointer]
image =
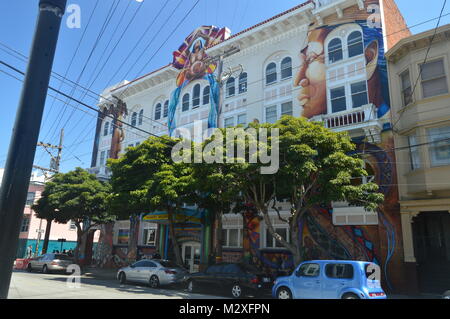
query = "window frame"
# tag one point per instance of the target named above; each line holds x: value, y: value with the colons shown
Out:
x: 283, y: 69
x: 331, y: 99
x: 242, y: 83
x: 444, y: 76
x: 166, y: 109
x: 106, y: 128
x: 141, y: 117
x: 196, y: 91
x: 133, y: 119
x: 226, y: 238
x: 158, y: 111
x: 414, y: 149
x: 354, y: 44
x: 185, y: 101
x: 334, y: 51
x: 230, y: 85
x: 366, y: 91
x: 25, y: 225
x: 403, y: 89
x: 433, y: 145
x: 206, y: 97
x: 267, y: 74
x: 275, y: 244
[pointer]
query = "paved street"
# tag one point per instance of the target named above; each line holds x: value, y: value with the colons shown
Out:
x: 54, y: 286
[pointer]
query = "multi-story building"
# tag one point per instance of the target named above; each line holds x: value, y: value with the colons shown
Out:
x: 323, y: 60
x: 419, y: 79
x: 32, y: 230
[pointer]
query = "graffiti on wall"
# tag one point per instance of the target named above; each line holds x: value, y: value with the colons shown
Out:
x: 193, y: 62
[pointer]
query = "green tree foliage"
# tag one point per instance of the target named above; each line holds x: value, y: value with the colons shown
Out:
x: 75, y: 196
x: 315, y: 168
x: 145, y: 179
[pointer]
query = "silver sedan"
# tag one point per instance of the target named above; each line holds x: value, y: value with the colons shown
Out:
x: 50, y: 262
x: 155, y: 272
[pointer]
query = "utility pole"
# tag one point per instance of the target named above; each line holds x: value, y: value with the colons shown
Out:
x: 54, y: 168
x: 22, y: 148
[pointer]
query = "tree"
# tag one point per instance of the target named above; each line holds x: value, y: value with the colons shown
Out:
x: 75, y: 196
x: 145, y: 179
x: 216, y: 188
x: 315, y: 168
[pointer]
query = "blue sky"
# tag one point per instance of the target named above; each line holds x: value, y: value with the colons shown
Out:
x: 17, y: 22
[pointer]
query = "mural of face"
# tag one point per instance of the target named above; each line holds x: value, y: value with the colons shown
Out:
x: 311, y: 75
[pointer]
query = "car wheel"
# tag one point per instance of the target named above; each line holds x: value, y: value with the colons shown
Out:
x: 29, y: 268
x: 190, y: 286
x: 122, y: 278
x: 154, y: 281
x: 236, y: 291
x: 350, y: 296
x: 45, y: 269
x: 284, y: 293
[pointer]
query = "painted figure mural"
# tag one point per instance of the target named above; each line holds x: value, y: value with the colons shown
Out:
x: 195, y: 64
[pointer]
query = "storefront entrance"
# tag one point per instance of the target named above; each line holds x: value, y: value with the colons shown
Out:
x: 191, y: 255
x: 432, y: 250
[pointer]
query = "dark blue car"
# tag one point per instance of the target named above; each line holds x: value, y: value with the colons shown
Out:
x: 331, y: 279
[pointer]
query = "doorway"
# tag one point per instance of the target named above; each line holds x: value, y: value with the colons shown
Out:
x: 190, y: 253
x: 431, y: 233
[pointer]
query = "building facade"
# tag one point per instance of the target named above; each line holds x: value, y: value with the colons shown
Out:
x: 419, y: 79
x: 324, y: 60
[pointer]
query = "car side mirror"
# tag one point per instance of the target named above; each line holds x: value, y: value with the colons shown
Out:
x: 299, y: 273
x: 132, y: 266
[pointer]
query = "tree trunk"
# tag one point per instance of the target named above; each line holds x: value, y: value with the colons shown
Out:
x: 47, y: 235
x: 218, y: 240
x: 290, y: 246
x: 176, y: 246
x: 297, y: 242
x: 133, y: 240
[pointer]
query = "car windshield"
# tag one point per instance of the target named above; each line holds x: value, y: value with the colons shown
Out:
x: 168, y: 264
x: 62, y: 257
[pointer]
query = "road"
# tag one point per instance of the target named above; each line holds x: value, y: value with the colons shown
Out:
x: 54, y: 286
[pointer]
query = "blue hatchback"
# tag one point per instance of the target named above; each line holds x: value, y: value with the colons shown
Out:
x: 330, y: 279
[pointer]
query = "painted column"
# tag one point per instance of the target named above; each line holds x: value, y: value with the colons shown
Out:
x: 408, y: 243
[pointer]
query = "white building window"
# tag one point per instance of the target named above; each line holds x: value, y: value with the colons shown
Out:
x: 102, y: 158
x: 434, y: 80
x: 106, y: 129
x: 242, y: 119
x: 355, y: 44
x: 158, y: 111
x: 166, y: 108
x: 439, y: 149
x: 149, y: 235
x: 243, y: 83
x: 414, y: 152
x: 335, y: 53
x: 286, y: 68
x: 230, y: 87
x: 338, y: 100
x: 271, y: 114
x: 134, y: 119
x: 232, y: 237
x: 141, y: 117
x: 286, y: 108
x: 185, y: 103
x: 206, y: 95
x: 228, y: 122
x: 196, y: 96
x: 406, y: 88
x: 359, y: 94
x: 72, y: 225
x: 30, y: 198
x: 271, y: 73
x: 25, y: 223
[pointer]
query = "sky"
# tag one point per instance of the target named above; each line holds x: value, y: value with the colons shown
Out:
x: 97, y: 59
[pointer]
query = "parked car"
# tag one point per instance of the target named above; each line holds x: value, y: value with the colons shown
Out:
x: 50, y: 262
x: 329, y: 279
x: 236, y: 279
x: 155, y: 272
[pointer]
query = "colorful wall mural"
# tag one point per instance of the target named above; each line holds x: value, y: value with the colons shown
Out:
x: 194, y: 63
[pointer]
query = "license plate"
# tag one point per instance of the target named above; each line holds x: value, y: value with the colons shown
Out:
x: 265, y: 279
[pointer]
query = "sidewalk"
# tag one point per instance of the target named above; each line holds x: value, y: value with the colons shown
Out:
x: 421, y: 296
